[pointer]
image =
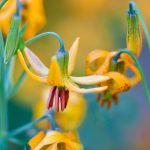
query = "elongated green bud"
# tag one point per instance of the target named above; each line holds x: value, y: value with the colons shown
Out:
x: 12, y: 38
x: 134, y: 40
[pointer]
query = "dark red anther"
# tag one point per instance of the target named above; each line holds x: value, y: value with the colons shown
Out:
x: 98, y: 97
x: 102, y: 102
x: 51, y: 97
x: 115, y: 99
x: 57, y: 99
x: 109, y: 104
x: 66, y: 97
x: 62, y: 99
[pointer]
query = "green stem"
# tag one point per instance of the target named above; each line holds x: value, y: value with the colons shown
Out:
x: 142, y: 22
x: 31, y: 124
x: 2, y: 3
x: 3, y: 100
x: 139, y: 67
x: 44, y: 35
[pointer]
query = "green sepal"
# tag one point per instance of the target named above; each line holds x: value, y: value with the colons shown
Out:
x: 117, y: 66
x: 12, y: 38
x: 63, y: 59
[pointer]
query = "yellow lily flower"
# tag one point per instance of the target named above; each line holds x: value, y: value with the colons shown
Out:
x: 54, y: 140
x: 99, y: 62
x: 119, y: 82
x: 32, y: 11
x: 58, y: 76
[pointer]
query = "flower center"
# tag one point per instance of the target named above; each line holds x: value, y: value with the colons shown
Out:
x: 61, y: 96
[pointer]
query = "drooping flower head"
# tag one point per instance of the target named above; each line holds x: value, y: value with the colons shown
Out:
x: 32, y: 12
x: 102, y: 61
x: 58, y: 76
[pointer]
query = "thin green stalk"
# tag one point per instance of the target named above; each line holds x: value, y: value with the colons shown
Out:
x: 31, y: 124
x: 142, y: 22
x: 139, y: 68
x: 3, y: 100
x: 44, y: 35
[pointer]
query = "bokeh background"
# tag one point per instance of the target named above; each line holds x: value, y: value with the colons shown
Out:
x: 100, y: 24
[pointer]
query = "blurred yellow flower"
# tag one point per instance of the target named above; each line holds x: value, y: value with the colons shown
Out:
x: 32, y: 11
x: 58, y: 76
x: 75, y: 111
x: 54, y: 140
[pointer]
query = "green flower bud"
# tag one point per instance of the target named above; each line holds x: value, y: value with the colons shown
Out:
x: 12, y: 38
x: 134, y: 41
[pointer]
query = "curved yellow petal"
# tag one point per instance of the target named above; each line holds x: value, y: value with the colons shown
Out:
x: 36, y: 63
x: 73, y: 55
x: 54, y: 138
x: 88, y: 80
x: 73, y: 87
x: 97, y: 57
x: 32, y: 75
x: 136, y: 77
x: 36, y: 139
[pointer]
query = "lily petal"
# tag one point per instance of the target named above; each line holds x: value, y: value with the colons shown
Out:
x: 74, y: 87
x: 87, y: 80
x: 35, y: 62
x: 32, y: 75
x: 136, y: 78
x: 36, y: 140
x: 73, y: 55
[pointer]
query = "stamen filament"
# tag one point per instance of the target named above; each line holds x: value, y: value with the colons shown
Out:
x: 139, y: 68
x: 133, y: 5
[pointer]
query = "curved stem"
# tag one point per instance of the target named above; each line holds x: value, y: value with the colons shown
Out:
x: 29, y: 125
x: 139, y: 68
x: 142, y: 22
x: 39, y: 36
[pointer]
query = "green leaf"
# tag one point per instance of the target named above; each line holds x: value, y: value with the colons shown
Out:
x: 1, y: 44
x: 12, y: 38
x: 2, y: 3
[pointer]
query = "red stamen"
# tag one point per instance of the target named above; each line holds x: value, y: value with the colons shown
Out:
x: 109, y: 104
x: 57, y: 99
x: 62, y: 99
x: 51, y: 97
x: 115, y: 98
x: 66, y: 97
x: 98, y: 97
x: 102, y: 102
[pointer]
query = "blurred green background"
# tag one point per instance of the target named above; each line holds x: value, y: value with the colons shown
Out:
x: 100, y: 24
